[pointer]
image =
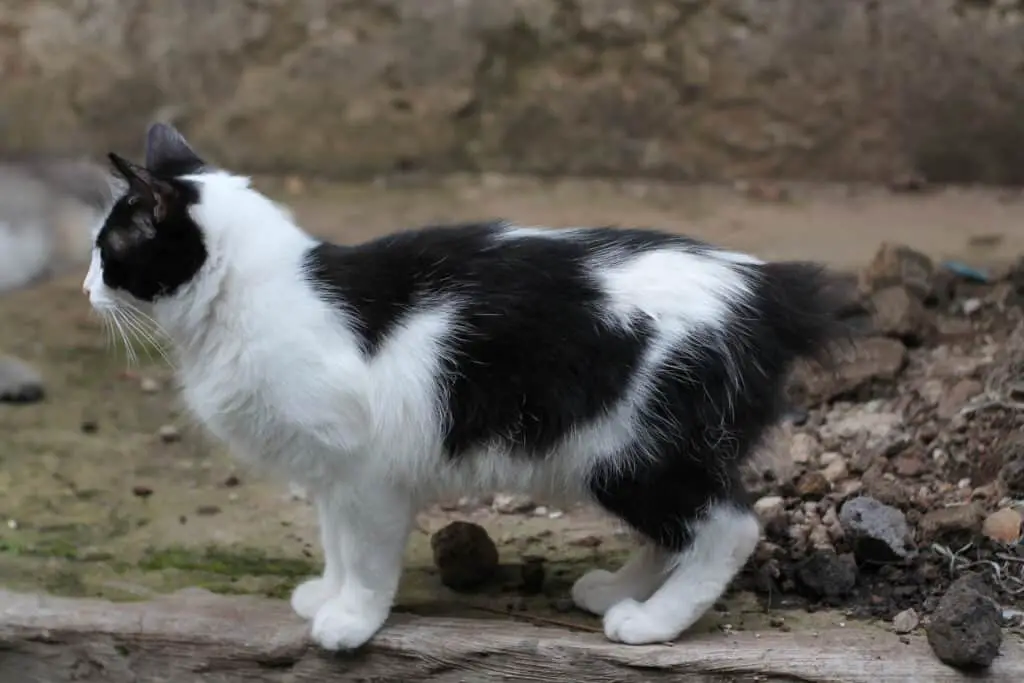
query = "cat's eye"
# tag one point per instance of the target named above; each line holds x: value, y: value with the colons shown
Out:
x: 132, y: 201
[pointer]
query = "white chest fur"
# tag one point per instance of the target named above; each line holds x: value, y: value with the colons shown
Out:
x: 282, y: 384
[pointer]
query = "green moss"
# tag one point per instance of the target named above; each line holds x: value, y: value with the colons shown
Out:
x: 65, y: 582
x: 230, y: 563
x: 53, y: 547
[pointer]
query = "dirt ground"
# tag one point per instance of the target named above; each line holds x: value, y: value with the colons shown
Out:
x: 107, y: 490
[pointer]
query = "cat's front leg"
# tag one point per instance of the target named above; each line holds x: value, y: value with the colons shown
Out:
x: 368, y: 526
x: 311, y: 595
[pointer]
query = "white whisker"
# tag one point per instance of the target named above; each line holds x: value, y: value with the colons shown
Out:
x: 142, y: 327
x: 116, y: 318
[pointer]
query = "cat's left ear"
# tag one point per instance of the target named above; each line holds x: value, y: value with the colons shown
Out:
x: 168, y: 153
x: 159, y: 192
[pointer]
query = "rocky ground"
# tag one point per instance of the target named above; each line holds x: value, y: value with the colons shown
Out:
x: 906, y: 467
x: 896, y: 474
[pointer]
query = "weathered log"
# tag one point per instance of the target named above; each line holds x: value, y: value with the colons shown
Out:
x: 194, y: 636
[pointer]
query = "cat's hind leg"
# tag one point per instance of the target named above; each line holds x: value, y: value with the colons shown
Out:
x: 696, y: 515
x: 642, y: 574
x: 723, y: 539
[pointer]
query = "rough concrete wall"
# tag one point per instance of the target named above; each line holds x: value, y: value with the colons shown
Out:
x: 844, y: 89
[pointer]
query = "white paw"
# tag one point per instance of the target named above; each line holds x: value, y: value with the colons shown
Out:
x: 598, y: 590
x: 632, y: 623
x: 309, y: 596
x: 343, y: 625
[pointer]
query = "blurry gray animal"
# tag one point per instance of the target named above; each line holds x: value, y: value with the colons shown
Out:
x: 48, y: 209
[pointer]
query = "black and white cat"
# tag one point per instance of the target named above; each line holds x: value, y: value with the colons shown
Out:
x: 632, y: 369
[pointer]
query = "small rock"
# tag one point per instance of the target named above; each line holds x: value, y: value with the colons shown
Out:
x: 965, y: 630
x: 827, y: 575
x: 897, y: 313
x: 804, y: 448
x: 909, y: 464
x: 955, y: 525
x: 232, y: 481
x: 532, y: 573
x: 897, y: 264
x: 879, y: 533
x: 1011, y: 476
x: 464, y: 554
x: 142, y: 491
x: 884, y: 490
x: 971, y: 306
x: 849, y: 488
x: 819, y: 537
x: 1011, y: 473
x: 588, y: 541
x: 169, y: 434
x: 906, y: 621
x: 148, y: 385
x: 867, y: 420
x: 955, y: 399
x: 1003, y: 526
x: 508, y: 504
x: 856, y: 365
x: 836, y: 471
x: 813, y: 486
x: 207, y: 510
x: 90, y: 426
x: 771, y: 510
x: 541, y: 511
x: 829, y: 457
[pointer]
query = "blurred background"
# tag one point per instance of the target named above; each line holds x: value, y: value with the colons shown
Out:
x: 789, y: 128
x: 683, y: 89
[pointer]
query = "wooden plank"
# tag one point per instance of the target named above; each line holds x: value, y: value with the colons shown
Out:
x: 194, y: 636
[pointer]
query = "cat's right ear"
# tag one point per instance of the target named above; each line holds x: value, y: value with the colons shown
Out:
x: 168, y: 153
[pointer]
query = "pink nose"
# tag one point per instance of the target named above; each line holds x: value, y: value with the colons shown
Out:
x: 85, y: 289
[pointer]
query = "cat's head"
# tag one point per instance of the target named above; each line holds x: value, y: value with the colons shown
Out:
x: 149, y: 245
x: 178, y: 228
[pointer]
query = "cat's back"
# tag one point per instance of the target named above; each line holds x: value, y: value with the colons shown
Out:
x: 523, y: 334
x: 497, y: 274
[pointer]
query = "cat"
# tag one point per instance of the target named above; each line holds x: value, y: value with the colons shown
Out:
x: 48, y: 207
x: 628, y: 368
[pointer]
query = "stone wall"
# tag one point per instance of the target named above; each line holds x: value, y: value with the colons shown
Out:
x: 694, y: 89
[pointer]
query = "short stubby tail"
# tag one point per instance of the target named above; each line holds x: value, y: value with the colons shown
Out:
x: 801, y: 306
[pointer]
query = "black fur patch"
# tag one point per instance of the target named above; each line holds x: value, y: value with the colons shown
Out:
x: 149, y: 244
x: 533, y: 359
x: 148, y: 258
